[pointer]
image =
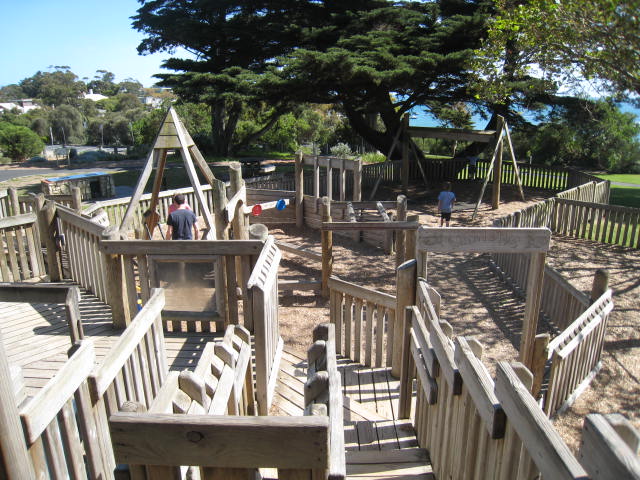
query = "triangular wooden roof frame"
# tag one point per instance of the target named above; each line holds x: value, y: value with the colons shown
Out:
x: 172, y: 135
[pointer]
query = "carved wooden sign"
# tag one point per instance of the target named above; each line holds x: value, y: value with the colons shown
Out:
x: 483, y: 240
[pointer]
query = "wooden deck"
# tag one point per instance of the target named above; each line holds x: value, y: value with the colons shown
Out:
x: 36, y: 338
x: 379, y: 446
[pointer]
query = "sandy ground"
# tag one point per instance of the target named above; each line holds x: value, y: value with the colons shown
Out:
x: 477, y: 304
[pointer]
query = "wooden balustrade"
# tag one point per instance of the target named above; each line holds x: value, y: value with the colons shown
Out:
x: 136, y: 366
x: 140, y: 259
x: 364, y: 322
x: 62, y: 429
x: 81, y: 242
x: 21, y: 257
x: 220, y: 384
x: 601, y: 223
x: 323, y: 394
x: 575, y: 355
x: 262, y: 310
x: 475, y: 428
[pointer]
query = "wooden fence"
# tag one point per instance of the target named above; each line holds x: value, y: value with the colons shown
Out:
x: 561, y: 303
x: 323, y: 394
x: 62, y: 429
x: 475, y: 428
x: 262, y: 292
x: 81, y: 243
x: 21, y: 257
x: 364, y: 322
x: 597, y: 222
x: 575, y: 354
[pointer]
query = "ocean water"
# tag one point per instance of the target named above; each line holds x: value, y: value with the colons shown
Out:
x: 419, y: 118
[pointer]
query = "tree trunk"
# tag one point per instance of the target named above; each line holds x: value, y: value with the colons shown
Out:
x: 224, y: 119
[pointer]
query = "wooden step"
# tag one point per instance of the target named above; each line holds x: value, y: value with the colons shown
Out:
x: 408, y: 463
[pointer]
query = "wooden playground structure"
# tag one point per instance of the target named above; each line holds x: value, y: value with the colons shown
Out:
x: 100, y: 378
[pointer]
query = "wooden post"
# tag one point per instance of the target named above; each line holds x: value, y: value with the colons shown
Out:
x: 76, y: 199
x: 406, y: 366
x: 48, y: 231
x: 600, y: 284
x: 116, y: 283
x: 497, y: 169
x: 16, y: 463
x: 406, y: 138
x: 401, y: 216
x: 410, y: 240
x: 532, y: 307
x: 357, y: 180
x: 14, y: 203
x: 540, y: 346
x: 299, y: 185
x: 327, y: 247
x: 405, y: 296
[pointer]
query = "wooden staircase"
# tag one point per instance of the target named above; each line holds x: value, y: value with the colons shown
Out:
x: 377, y: 444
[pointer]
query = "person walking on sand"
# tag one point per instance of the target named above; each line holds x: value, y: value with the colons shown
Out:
x: 446, y: 199
x: 181, y: 221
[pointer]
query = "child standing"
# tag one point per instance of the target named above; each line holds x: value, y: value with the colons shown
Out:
x: 446, y: 199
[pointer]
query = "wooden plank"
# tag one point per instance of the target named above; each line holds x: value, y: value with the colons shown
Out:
x: 333, y: 226
x: 480, y: 387
x: 364, y: 293
x: 550, y: 454
x: 483, y: 240
x: 244, y: 442
x: 41, y: 410
x: 182, y: 247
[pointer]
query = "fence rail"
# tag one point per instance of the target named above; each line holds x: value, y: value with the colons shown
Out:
x: 262, y: 289
x: 364, y: 321
x: 575, y: 354
x: 601, y: 223
x: 21, y: 257
x: 82, y: 239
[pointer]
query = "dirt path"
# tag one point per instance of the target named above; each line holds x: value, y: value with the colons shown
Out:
x: 477, y: 304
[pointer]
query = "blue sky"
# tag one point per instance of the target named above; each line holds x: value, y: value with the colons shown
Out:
x: 85, y: 35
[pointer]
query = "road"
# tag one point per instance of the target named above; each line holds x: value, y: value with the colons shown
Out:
x: 11, y: 173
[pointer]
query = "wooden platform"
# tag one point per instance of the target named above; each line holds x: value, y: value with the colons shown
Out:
x: 36, y: 338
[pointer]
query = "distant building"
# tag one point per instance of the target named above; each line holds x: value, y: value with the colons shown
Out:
x: 93, y: 96
x: 23, y: 105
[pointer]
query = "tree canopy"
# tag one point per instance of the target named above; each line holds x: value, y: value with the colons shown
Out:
x: 577, y: 43
x: 371, y: 57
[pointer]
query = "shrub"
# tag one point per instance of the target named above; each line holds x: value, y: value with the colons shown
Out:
x: 341, y: 150
x: 5, y: 160
x: 371, y: 157
x: 19, y: 143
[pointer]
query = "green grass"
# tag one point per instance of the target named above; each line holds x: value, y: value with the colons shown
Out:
x: 625, y: 196
x: 622, y: 178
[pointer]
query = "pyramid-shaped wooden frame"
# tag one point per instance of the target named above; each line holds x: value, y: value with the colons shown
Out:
x: 172, y: 135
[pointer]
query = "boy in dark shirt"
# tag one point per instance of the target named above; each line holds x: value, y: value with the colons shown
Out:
x: 182, y: 221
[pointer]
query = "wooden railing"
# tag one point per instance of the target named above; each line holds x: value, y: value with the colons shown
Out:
x: 364, y: 322
x: 135, y: 269
x: 61, y: 427
x: 323, y: 394
x: 296, y: 446
x: 561, y: 302
x: 136, y: 366
x: 81, y: 242
x: 221, y: 383
x: 575, y: 354
x: 601, y: 223
x: 262, y: 306
x: 591, y: 189
x: 475, y: 428
x: 21, y: 256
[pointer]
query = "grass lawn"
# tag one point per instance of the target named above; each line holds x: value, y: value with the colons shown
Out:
x: 622, y: 178
x: 624, y: 195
